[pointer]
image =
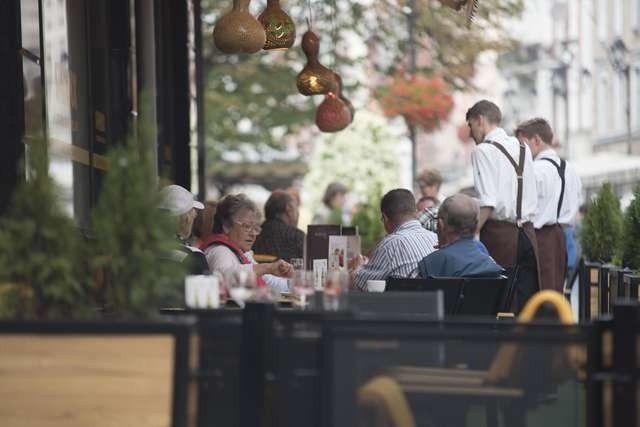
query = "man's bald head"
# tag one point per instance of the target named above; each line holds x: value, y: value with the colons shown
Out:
x: 460, y: 215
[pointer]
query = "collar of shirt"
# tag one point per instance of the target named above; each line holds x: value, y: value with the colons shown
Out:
x: 413, y: 223
x: 498, y: 135
x: 549, y: 153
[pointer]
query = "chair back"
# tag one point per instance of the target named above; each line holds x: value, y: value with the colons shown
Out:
x: 429, y: 304
x: 473, y: 296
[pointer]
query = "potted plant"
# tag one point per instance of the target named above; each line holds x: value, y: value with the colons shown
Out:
x: 603, y: 227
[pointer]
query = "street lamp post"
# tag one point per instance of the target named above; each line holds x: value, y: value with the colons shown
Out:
x: 619, y: 59
x: 410, y: 11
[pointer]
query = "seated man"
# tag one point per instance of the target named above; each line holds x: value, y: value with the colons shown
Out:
x: 459, y: 254
x: 399, y: 251
x: 279, y: 236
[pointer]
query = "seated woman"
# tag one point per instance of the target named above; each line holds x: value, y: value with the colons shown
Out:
x: 235, y: 228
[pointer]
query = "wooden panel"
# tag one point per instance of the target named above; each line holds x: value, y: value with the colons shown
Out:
x: 88, y: 380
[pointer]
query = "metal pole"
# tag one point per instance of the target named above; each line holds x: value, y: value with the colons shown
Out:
x: 627, y: 76
x: 411, y: 17
x: 200, y: 117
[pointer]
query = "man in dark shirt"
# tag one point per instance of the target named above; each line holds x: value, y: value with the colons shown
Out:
x: 459, y: 255
x: 279, y: 236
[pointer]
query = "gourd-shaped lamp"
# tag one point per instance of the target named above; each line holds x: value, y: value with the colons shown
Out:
x: 344, y: 99
x: 315, y: 78
x: 333, y: 113
x: 238, y: 31
x: 279, y: 27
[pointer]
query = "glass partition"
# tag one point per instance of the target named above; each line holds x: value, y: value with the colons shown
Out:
x: 452, y: 374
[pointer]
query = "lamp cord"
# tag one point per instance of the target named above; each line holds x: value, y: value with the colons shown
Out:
x: 310, y: 17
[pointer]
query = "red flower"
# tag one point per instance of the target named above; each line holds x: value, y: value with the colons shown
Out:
x: 422, y: 101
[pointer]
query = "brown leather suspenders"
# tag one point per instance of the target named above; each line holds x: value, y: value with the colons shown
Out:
x: 519, y: 168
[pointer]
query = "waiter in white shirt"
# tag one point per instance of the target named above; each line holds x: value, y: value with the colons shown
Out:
x: 504, y: 176
x: 558, y: 189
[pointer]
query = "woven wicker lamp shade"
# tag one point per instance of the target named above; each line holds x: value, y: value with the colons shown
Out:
x: 238, y: 31
x: 315, y: 78
x: 279, y: 27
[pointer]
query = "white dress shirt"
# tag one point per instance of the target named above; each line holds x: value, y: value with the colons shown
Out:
x: 496, y: 180
x: 221, y: 258
x: 549, y: 186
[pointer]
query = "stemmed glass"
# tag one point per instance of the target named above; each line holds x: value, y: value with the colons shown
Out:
x: 241, y: 285
x: 301, y: 286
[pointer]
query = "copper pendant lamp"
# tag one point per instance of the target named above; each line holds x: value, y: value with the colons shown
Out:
x: 279, y: 27
x: 344, y: 99
x: 333, y: 114
x: 238, y: 31
x: 315, y: 78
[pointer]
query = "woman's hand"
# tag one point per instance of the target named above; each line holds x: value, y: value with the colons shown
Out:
x: 281, y: 268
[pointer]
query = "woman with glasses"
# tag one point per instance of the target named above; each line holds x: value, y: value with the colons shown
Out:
x: 228, y: 250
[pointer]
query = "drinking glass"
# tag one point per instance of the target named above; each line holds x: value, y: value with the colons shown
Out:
x: 222, y: 287
x: 301, y: 286
x: 297, y: 263
x: 337, y: 283
x: 241, y: 284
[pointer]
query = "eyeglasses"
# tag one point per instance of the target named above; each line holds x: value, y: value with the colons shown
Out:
x: 248, y: 228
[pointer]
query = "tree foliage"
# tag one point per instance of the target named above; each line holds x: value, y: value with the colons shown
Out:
x: 40, y: 265
x: 602, y: 226
x: 251, y: 100
x: 631, y: 237
x: 363, y: 158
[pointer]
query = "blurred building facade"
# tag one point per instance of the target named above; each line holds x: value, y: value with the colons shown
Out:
x: 580, y: 69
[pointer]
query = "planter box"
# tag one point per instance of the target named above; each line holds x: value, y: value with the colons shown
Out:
x: 94, y: 374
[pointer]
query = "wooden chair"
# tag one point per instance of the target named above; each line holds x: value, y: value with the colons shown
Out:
x: 500, y: 381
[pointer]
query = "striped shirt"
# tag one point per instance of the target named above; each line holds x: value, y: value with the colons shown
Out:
x: 397, y: 254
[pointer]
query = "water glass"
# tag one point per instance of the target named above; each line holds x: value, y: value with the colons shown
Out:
x: 336, y: 285
x: 241, y: 284
x: 297, y: 263
x: 301, y: 286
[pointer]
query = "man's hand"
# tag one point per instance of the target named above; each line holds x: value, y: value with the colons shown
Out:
x: 356, y: 262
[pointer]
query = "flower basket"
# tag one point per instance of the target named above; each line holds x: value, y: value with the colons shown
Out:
x: 423, y: 101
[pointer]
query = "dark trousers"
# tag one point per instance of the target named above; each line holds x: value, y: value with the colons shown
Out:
x: 527, y: 275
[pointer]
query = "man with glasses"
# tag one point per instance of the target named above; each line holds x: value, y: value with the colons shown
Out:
x: 458, y: 254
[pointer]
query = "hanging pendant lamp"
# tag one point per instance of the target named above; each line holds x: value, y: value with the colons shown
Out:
x: 238, y: 31
x: 344, y: 99
x: 315, y: 78
x: 279, y: 27
x: 333, y: 114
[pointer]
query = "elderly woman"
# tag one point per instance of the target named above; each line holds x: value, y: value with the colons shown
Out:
x: 228, y: 249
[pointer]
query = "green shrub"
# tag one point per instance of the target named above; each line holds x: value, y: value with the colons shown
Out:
x: 367, y: 218
x: 41, y: 263
x: 603, y: 227
x: 131, y: 235
x: 631, y: 238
